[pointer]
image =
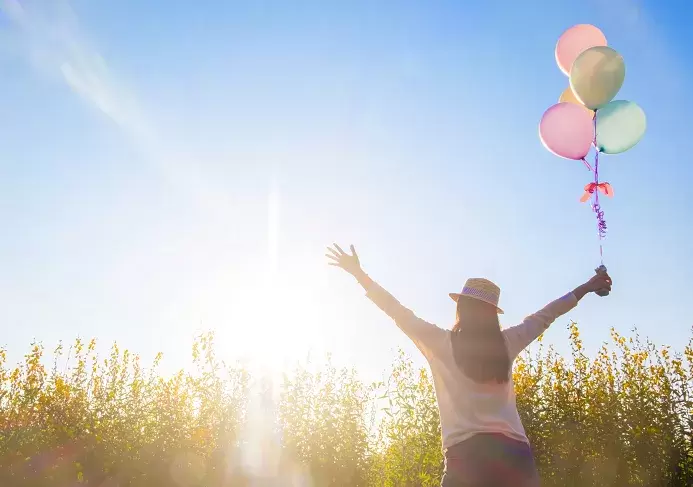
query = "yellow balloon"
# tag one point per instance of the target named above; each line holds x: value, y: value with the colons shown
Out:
x: 597, y: 75
x: 569, y: 97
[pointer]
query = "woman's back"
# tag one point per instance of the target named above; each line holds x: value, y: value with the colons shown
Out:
x: 468, y: 407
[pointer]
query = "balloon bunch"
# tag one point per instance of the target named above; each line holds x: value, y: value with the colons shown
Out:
x: 585, y: 114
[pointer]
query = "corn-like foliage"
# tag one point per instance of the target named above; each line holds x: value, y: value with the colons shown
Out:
x: 621, y: 418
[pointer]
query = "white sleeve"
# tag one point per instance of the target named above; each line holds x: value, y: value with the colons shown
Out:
x: 427, y: 337
x: 520, y: 336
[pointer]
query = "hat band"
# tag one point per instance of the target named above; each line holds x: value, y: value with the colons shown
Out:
x: 480, y: 293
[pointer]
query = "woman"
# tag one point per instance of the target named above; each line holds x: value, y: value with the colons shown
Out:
x: 483, y: 438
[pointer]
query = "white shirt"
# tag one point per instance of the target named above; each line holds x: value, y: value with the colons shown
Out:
x: 466, y: 407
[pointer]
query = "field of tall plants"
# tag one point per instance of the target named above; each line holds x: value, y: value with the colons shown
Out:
x: 621, y: 418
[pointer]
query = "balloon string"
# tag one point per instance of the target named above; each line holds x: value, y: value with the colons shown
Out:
x: 601, y: 223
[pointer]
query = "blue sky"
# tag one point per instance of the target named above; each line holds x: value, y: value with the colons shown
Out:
x: 169, y: 168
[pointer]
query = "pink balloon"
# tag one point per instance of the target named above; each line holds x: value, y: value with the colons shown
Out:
x: 567, y: 130
x: 575, y: 40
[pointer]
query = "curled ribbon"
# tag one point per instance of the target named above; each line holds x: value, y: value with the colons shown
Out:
x: 601, y: 223
x: 601, y: 187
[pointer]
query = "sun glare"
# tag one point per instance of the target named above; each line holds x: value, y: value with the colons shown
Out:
x: 272, y: 316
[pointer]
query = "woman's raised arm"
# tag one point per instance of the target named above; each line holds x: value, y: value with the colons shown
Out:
x: 520, y: 336
x: 427, y: 337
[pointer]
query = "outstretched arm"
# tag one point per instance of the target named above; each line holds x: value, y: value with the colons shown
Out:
x: 520, y: 336
x: 426, y: 336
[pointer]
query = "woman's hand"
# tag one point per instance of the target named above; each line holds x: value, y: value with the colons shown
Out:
x: 596, y: 283
x: 349, y: 263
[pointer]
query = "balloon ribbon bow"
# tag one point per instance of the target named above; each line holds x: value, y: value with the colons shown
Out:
x: 601, y: 187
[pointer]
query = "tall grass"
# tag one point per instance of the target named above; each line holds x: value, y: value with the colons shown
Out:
x: 621, y: 418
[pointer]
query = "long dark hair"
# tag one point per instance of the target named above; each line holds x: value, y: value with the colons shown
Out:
x: 478, y: 343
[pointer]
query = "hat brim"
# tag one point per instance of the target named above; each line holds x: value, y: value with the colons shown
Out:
x: 456, y: 297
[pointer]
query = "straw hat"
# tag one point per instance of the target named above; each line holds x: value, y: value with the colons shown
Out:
x: 481, y: 289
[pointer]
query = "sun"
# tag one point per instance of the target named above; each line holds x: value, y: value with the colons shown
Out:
x: 270, y: 322
x: 272, y: 315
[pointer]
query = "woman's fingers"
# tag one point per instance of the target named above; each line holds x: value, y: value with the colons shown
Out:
x: 605, y: 283
x: 340, y: 258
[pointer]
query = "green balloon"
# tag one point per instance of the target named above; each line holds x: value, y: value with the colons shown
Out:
x: 620, y: 125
